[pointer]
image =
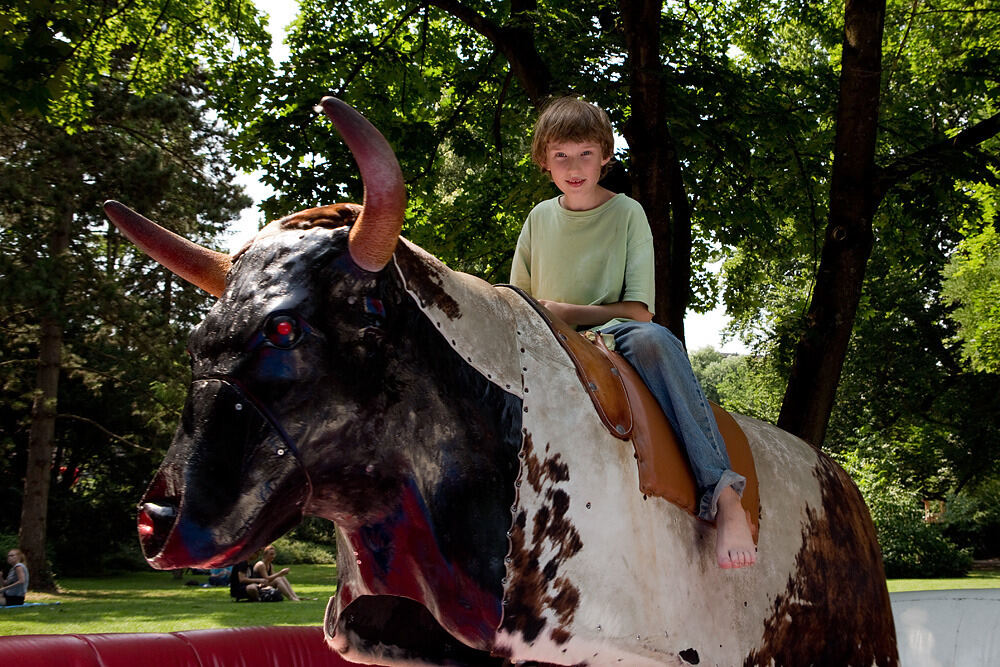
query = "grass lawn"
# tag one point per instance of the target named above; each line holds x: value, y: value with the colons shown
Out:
x: 156, y: 602
x: 975, y: 579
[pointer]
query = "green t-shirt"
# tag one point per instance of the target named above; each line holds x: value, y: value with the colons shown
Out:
x: 600, y: 256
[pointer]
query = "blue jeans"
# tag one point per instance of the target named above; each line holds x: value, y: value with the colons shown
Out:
x: 661, y: 361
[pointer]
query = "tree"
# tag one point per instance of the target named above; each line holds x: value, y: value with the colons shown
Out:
x: 935, y: 112
x: 61, y: 57
x: 110, y: 314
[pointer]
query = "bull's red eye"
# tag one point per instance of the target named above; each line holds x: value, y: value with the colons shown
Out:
x: 282, y: 331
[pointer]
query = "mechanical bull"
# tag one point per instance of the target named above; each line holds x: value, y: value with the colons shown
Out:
x: 484, y: 512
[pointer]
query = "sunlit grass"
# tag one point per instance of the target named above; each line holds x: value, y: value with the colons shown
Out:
x: 157, y: 602
x: 975, y: 579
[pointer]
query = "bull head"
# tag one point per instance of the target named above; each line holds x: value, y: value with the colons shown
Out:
x: 234, y: 455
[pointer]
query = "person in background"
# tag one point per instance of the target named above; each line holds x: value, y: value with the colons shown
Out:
x: 264, y: 569
x: 15, y: 584
x: 244, y: 586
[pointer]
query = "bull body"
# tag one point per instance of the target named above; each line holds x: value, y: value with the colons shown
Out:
x: 484, y: 513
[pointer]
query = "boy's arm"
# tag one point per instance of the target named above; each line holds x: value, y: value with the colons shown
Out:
x: 588, y: 316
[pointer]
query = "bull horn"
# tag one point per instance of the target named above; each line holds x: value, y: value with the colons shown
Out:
x: 200, y: 266
x: 374, y: 236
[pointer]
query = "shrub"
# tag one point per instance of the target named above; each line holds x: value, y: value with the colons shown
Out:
x: 291, y: 550
x: 911, y: 547
x: 972, y: 519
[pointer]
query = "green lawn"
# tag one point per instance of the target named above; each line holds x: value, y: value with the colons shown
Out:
x: 975, y: 579
x: 156, y: 602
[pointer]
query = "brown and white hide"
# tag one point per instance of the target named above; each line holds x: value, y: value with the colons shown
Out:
x: 598, y: 574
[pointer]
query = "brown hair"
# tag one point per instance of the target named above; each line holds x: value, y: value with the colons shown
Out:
x: 571, y: 119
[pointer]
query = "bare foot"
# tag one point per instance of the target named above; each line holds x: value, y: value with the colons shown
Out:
x: 734, y: 545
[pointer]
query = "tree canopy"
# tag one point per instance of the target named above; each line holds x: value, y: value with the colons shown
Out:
x: 840, y: 159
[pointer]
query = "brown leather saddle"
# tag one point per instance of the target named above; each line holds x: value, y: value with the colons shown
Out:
x: 630, y: 412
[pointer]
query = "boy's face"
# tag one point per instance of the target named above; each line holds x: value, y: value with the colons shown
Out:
x: 575, y: 166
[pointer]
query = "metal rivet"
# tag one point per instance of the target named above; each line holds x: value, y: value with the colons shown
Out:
x: 562, y: 336
x: 281, y: 452
x: 614, y: 371
x: 620, y: 429
x: 238, y: 406
x: 503, y: 582
x: 592, y: 386
x: 598, y: 629
x: 508, y: 559
x: 588, y: 505
x: 526, y: 408
x: 517, y: 483
x: 513, y: 508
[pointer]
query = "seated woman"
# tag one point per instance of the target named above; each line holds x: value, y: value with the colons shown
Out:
x: 15, y: 585
x: 263, y: 569
x: 243, y: 586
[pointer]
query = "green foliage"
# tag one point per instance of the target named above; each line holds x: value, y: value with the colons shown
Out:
x: 124, y: 318
x: 972, y: 285
x: 911, y: 546
x: 55, y: 53
x: 744, y: 384
x: 8, y: 541
x: 291, y: 550
x: 312, y: 541
x: 972, y: 518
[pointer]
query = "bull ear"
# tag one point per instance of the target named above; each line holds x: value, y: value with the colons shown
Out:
x: 374, y: 236
x: 200, y: 266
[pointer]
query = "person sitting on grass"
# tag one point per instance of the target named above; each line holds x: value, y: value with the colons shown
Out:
x: 263, y: 569
x: 15, y: 585
x: 243, y: 586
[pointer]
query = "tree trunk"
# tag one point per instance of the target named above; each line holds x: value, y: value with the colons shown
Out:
x: 656, y: 169
x: 41, y: 438
x: 819, y: 357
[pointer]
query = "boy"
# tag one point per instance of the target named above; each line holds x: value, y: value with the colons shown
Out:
x: 587, y: 256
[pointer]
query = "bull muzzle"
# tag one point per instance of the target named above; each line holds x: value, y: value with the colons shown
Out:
x: 231, y: 482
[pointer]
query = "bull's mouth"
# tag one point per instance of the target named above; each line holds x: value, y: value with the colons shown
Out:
x: 157, y: 515
x: 231, y: 483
